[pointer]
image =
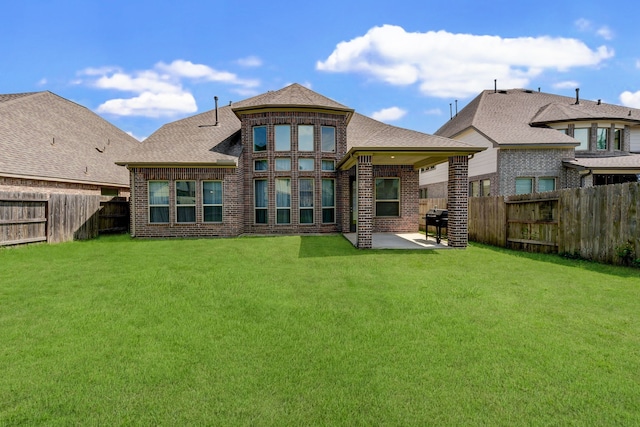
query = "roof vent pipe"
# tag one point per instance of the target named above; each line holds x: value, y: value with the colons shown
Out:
x: 577, y: 96
x: 599, y: 101
x: 538, y: 88
x: 456, y: 108
x: 450, y: 111
x: 215, y: 98
x: 495, y: 85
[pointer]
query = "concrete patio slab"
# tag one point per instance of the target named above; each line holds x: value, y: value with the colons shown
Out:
x: 400, y: 241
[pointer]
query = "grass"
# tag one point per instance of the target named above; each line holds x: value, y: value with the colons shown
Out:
x: 310, y: 331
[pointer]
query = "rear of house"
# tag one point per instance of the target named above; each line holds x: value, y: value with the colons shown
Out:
x: 290, y: 161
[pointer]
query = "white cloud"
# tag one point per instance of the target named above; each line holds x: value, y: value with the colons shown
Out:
x: 139, y: 138
x: 638, y: 63
x: 160, y: 91
x: 585, y: 25
x: 445, y: 65
x: 605, y: 32
x: 568, y: 84
x: 43, y: 81
x: 389, y: 114
x: 250, y: 61
x: 630, y: 99
x: 150, y: 104
x: 433, y: 112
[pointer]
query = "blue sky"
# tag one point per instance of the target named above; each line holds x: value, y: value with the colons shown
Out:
x: 141, y: 64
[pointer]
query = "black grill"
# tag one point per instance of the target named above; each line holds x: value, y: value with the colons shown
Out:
x: 438, y: 218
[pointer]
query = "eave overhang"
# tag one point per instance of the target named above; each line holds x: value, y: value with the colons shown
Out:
x: 414, y: 156
x: 218, y: 164
x: 65, y: 180
x: 239, y: 111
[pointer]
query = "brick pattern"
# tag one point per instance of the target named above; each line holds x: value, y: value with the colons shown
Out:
x: 232, y: 211
x: 270, y: 119
x: 458, y: 201
x: 531, y: 163
x: 365, y: 202
x: 408, y: 221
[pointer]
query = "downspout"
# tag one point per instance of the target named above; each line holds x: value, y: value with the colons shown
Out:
x: 583, y: 176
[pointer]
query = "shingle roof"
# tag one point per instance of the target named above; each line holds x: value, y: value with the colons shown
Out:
x: 43, y: 135
x: 194, y: 140
x: 365, y: 132
x: 630, y: 162
x: 294, y: 95
x: 515, y: 116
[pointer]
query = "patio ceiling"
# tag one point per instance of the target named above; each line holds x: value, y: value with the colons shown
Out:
x: 417, y: 157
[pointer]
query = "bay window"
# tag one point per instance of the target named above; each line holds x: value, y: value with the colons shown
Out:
x: 306, y: 198
x: 283, y: 201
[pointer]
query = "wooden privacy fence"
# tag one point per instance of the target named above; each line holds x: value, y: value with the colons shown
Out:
x: 54, y: 218
x: 593, y: 223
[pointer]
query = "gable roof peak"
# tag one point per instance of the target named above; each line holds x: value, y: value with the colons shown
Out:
x: 293, y: 96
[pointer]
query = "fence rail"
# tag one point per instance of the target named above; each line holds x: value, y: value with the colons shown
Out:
x: 55, y: 217
x: 593, y: 223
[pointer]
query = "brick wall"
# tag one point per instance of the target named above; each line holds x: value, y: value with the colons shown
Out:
x: 270, y: 119
x: 232, y: 213
x: 458, y: 201
x: 365, y: 202
x: 531, y: 163
x: 408, y: 221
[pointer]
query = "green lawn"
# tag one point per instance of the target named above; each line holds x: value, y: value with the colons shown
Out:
x: 310, y: 331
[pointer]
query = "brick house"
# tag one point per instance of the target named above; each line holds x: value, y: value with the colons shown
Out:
x: 538, y: 142
x: 290, y: 161
x: 50, y: 144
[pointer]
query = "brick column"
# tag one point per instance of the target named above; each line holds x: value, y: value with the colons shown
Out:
x: 458, y: 201
x: 365, y: 202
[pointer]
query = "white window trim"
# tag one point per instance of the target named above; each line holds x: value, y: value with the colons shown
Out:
x: 149, y: 205
x: 376, y: 200
x: 213, y: 204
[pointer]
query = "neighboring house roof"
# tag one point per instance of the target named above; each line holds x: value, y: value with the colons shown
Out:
x: 44, y: 136
x: 516, y: 117
x: 629, y: 163
x: 196, y: 141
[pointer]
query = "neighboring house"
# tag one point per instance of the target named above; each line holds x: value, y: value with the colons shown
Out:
x: 50, y: 144
x: 288, y: 162
x: 540, y: 142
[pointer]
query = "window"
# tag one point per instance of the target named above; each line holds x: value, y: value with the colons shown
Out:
x: 328, y: 201
x: 474, y: 189
x: 328, y: 139
x: 159, y: 201
x: 259, y: 138
x: 212, y: 201
x: 283, y: 137
x: 185, y: 201
x: 305, y: 138
x: 617, y: 140
x: 582, y: 135
x: 602, y: 138
x: 546, y: 184
x: 485, y: 187
x: 328, y: 165
x: 524, y: 185
x: 260, y: 165
x: 261, y: 199
x: 283, y: 164
x: 283, y: 201
x: 306, y: 164
x: 387, y: 196
x: 306, y: 196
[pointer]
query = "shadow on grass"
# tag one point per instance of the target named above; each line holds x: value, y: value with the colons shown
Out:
x: 338, y: 245
x: 614, y: 270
